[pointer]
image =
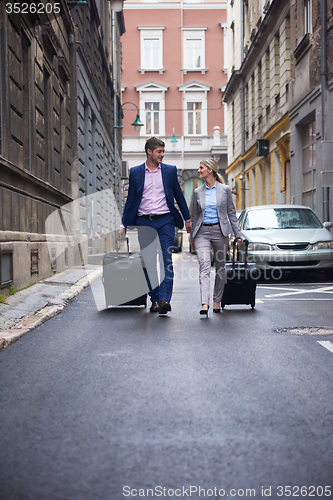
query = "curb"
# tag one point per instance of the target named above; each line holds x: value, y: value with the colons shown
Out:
x: 30, y: 322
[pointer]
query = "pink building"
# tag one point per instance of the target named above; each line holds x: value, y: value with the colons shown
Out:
x: 174, y: 71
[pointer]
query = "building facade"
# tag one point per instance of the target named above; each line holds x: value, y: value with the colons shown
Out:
x: 174, y: 70
x: 311, y: 105
x: 58, y: 90
x: 257, y: 95
x: 279, y: 97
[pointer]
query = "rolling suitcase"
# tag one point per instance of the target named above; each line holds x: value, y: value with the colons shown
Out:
x: 124, y: 279
x: 241, y: 280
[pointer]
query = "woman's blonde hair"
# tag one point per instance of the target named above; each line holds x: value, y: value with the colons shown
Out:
x: 213, y: 165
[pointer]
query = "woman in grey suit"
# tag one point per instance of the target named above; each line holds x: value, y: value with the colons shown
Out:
x: 213, y: 218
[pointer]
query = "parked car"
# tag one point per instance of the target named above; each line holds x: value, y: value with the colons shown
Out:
x: 178, y: 240
x: 286, y: 237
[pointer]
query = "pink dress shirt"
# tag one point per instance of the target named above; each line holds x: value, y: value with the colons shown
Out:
x: 153, y: 200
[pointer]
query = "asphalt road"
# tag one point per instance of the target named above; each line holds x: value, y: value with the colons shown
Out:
x: 120, y: 403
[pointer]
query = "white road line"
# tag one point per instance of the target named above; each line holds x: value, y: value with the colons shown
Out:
x: 327, y: 344
x: 326, y: 289
x: 282, y: 288
x: 271, y: 297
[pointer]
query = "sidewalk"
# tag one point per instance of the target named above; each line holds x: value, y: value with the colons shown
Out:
x: 31, y: 307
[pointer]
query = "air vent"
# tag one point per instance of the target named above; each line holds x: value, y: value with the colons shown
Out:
x: 293, y: 246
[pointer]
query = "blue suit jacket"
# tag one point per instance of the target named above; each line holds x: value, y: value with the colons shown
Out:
x: 172, y: 192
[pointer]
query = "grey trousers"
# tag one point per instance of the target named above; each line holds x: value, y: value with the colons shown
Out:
x: 207, y: 237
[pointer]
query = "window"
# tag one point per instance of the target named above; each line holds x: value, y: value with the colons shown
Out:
x: 225, y: 46
x: 275, y: 62
x: 34, y: 261
x: 151, y: 49
x: 307, y: 16
x: 194, y: 110
x: 152, y: 107
x: 309, y: 164
x: 27, y: 114
x: 6, y: 268
x: 47, y: 124
x: 194, y: 50
x: 152, y: 111
x: 259, y: 97
x: 193, y: 53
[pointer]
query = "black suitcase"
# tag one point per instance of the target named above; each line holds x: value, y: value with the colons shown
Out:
x: 241, y: 280
x: 124, y: 279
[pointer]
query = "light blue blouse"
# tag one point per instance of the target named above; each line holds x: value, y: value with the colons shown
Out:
x: 210, y: 215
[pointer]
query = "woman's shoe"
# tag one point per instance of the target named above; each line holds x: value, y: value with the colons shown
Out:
x: 204, y: 312
x: 217, y: 309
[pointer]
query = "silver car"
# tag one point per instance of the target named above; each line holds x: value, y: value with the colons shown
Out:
x: 285, y: 237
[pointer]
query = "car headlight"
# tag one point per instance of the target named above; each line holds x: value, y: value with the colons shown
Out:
x: 259, y: 246
x: 323, y: 245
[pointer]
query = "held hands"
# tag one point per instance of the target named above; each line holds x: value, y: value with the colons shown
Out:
x: 188, y: 226
x: 122, y: 233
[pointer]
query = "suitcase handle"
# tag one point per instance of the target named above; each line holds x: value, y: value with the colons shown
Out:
x: 234, y: 243
x: 118, y: 245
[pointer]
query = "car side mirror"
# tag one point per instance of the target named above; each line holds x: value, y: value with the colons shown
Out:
x: 327, y: 225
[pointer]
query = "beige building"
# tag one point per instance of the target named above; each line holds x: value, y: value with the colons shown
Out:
x: 311, y: 105
x: 257, y: 95
x: 280, y: 106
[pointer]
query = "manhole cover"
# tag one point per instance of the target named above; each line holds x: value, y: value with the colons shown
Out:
x: 306, y: 330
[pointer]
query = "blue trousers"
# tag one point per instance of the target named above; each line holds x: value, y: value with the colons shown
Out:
x: 157, y: 241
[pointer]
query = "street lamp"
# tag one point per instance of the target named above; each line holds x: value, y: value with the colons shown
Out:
x: 137, y: 124
x: 77, y: 3
x: 173, y: 140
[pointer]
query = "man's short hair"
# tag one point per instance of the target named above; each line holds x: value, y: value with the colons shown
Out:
x: 153, y: 143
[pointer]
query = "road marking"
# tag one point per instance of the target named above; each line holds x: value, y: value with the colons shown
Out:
x: 326, y: 289
x: 271, y: 297
x: 327, y: 344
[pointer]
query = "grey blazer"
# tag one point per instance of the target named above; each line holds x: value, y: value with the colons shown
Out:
x: 225, y: 210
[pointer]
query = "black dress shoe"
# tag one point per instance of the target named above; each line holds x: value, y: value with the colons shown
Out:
x: 154, y: 307
x: 164, y: 307
x: 204, y: 313
x: 218, y: 310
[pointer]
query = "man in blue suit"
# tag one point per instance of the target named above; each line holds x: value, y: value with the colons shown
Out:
x: 153, y: 187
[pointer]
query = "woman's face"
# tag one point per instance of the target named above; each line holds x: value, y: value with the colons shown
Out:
x: 204, y: 171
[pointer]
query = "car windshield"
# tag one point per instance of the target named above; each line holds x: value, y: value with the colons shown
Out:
x: 281, y: 218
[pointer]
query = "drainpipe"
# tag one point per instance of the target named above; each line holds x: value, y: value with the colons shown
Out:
x: 242, y: 31
x: 242, y: 106
x: 243, y: 140
x: 114, y: 78
x: 323, y: 72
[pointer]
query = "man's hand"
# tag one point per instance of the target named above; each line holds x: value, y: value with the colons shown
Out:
x: 188, y: 226
x: 122, y: 233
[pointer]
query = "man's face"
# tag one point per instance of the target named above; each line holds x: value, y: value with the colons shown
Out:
x: 156, y: 155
